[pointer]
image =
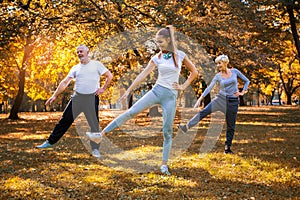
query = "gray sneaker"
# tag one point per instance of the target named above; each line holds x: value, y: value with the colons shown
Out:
x: 164, y: 169
x: 183, y: 128
x: 45, y: 145
x: 96, y: 153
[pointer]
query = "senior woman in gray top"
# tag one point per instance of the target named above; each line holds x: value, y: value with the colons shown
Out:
x: 226, y: 101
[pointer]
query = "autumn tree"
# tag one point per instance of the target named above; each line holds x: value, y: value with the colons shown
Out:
x: 32, y: 30
x: 21, y: 41
x: 21, y: 52
x: 40, y: 36
x: 281, y: 19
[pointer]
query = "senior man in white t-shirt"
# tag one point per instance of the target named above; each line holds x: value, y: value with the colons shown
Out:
x: 85, y: 98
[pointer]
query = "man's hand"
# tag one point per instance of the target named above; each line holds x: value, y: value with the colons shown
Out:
x: 50, y: 100
x: 197, y: 104
x: 99, y: 91
x: 61, y: 87
x: 125, y: 95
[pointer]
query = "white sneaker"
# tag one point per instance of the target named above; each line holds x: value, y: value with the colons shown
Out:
x: 96, y: 153
x: 94, y: 136
x: 164, y: 169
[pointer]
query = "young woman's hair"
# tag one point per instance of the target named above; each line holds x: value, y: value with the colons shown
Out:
x: 222, y: 58
x: 168, y: 32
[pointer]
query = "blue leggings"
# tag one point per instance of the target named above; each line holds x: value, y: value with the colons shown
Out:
x: 158, y: 95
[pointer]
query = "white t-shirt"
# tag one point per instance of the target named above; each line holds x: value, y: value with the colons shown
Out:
x: 168, y: 73
x: 87, y: 76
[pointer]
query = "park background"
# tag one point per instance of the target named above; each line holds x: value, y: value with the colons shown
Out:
x: 38, y: 41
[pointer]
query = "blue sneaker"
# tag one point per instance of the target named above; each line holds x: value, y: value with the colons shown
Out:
x: 45, y: 145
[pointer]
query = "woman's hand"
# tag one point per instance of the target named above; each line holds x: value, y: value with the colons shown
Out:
x: 177, y: 86
x: 237, y: 94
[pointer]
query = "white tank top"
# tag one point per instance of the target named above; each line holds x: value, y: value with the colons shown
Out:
x: 168, y: 73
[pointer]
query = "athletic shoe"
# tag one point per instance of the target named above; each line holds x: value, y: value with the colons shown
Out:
x: 96, y: 137
x: 164, y: 169
x: 45, y: 145
x: 183, y: 128
x: 96, y: 153
x: 228, y: 151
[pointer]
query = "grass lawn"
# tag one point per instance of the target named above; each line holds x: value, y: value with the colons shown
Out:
x: 266, y: 163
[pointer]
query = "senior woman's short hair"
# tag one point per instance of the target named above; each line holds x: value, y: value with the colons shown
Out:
x: 222, y: 58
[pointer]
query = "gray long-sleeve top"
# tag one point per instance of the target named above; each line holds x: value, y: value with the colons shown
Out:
x: 228, y: 86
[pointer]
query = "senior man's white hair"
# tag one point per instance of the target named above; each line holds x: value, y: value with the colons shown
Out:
x: 222, y: 58
x: 84, y: 47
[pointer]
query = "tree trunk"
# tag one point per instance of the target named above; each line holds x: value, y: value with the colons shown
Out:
x: 153, y: 112
x: 130, y: 101
x: 279, y: 96
x: 290, y: 10
x: 18, y: 100
x: 289, y: 99
x: 207, y: 98
x: 242, y: 102
x: 21, y: 86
